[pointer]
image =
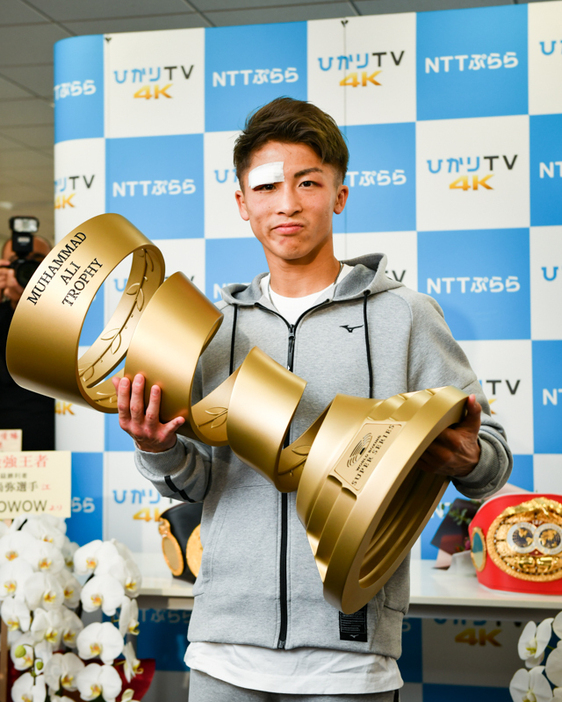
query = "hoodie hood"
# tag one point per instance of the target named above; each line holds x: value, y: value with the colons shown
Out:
x: 368, y: 276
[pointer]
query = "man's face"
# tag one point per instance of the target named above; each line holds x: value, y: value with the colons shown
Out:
x: 292, y: 219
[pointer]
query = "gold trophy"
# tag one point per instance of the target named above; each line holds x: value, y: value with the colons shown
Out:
x: 359, y: 496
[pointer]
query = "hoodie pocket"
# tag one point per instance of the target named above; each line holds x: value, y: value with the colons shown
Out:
x: 240, y: 549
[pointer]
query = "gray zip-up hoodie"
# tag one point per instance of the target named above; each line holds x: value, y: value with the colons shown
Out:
x: 258, y: 582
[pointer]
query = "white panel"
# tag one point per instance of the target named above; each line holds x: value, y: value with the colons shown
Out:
x: 459, y: 652
x: 496, y: 190
x: 548, y: 472
x: 363, y: 70
x: 222, y: 218
x: 545, y: 58
x: 154, y: 83
x: 504, y: 369
x: 79, y: 183
x: 546, y: 282
x: 401, y: 249
x: 131, y: 508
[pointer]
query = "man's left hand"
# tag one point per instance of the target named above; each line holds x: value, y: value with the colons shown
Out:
x: 456, y: 451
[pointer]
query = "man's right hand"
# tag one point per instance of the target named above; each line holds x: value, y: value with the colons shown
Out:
x: 143, y: 426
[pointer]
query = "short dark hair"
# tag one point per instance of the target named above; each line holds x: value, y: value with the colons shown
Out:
x: 294, y: 122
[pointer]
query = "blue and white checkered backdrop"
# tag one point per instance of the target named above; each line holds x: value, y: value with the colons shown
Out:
x: 454, y: 123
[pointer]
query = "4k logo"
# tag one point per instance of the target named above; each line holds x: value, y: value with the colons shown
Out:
x: 471, y: 164
x: 353, y: 81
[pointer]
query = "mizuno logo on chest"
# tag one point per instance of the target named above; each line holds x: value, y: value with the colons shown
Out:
x: 350, y: 329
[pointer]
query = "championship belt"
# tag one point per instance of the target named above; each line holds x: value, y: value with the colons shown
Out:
x: 179, y: 527
x: 361, y: 499
x: 516, y: 543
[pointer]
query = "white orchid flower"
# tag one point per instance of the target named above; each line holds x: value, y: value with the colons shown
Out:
x: 43, y: 590
x: 556, y: 694
x: 62, y: 671
x: 47, y: 521
x: 553, y: 667
x: 14, y: 576
x: 29, y: 689
x: 43, y: 654
x: 14, y: 545
x: 132, y: 663
x: 48, y: 626
x: 45, y: 529
x: 110, y: 562
x: 533, y: 642
x: 133, y: 579
x: 133, y: 572
x: 530, y: 685
x: 96, y: 680
x: 86, y: 559
x: 557, y: 625
x: 45, y: 557
x: 100, y: 641
x: 56, y: 698
x: 124, y: 551
x: 15, y: 613
x: 22, y: 652
x: 71, y: 588
x: 68, y: 550
x: 102, y: 591
x: 126, y: 571
x: 71, y: 627
x: 129, y: 617
x: 128, y: 695
x: 13, y: 636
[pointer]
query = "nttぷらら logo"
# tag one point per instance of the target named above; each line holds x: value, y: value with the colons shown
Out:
x: 381, y: 179
x: 472, y: 172
x: 157, y: 183
x: 472, y: 63
x: 249, y: 66
x: 547, y: 396
x: 482, y: 296
x: 152, y: 82
x: 546, y: 169
x: 78, y: 90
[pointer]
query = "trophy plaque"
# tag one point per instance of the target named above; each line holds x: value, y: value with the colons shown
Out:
x: 360, y: 496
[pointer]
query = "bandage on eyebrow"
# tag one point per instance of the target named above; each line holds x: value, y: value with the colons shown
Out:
x: 266, y: 174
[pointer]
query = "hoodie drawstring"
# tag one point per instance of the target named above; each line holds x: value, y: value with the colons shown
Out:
x: 367, y: 343
x: 232, y: 340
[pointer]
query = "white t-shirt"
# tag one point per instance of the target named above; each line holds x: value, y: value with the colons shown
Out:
x: 298, y: 671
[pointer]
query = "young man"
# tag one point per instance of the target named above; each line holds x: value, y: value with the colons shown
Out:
x: 261, y: 629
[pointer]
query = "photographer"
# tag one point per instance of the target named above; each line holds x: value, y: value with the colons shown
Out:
x: 19, y: 408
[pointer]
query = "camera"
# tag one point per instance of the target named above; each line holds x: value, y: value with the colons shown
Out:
x: 23, y: 229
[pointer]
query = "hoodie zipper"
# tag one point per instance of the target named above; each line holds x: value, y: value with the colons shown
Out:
x: 283, y: 590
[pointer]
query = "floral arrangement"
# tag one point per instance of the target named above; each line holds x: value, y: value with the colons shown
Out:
x: 46, y: 583
x: 531, y: 684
